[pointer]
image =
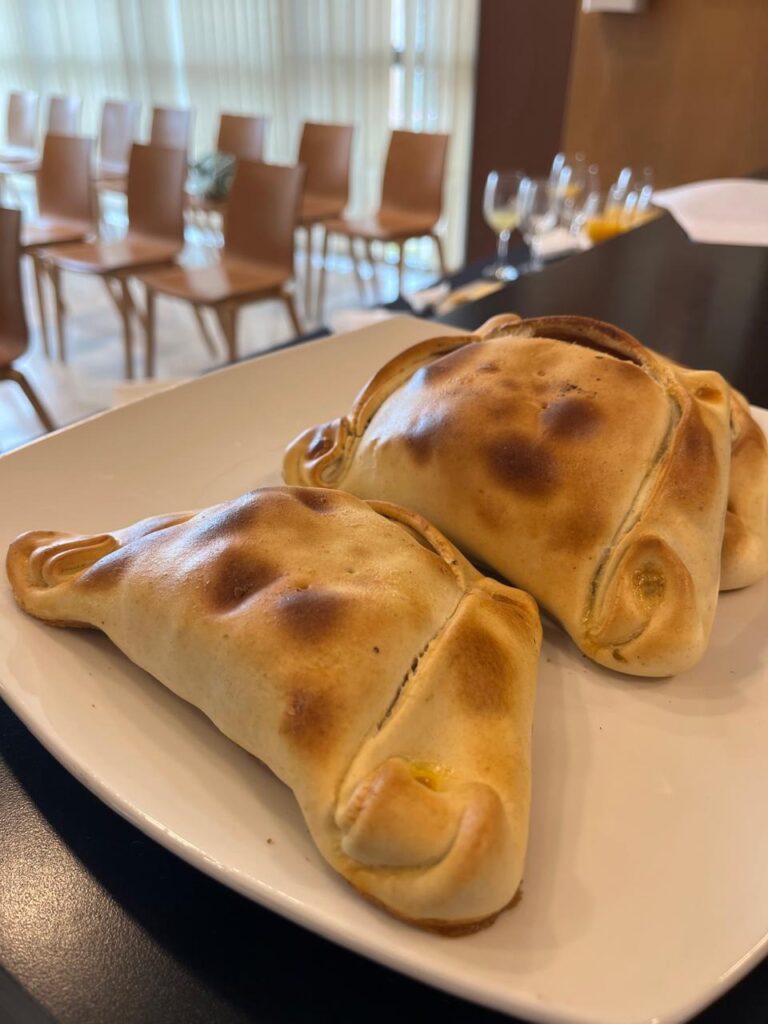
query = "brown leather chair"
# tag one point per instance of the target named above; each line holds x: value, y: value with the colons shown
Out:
x: 63, y: 119
x: 21, y: 127
x: 411, y: 202
x: 241, y: 135
x: 64, y: 115
x: 20, y: 150
x: 155, y: 236
x: 65, y: 205
x: 324, y: 151
x: 14, y: 336
x: 119, y: 124
x: 171, y: 127
x: 256, y: 262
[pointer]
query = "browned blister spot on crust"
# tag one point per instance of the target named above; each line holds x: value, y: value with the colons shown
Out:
x: 483, y: 673
x: 309, y: 718
x: 311, y: 614
x: 571, y: 418
x: 526, y: 466
x: 580, y: 530
x: 424, y: 437
x: 489, y: 367
x: 233, y: 518
x: 696, y: 474
x: 315, y: 498
x: 235, y: 578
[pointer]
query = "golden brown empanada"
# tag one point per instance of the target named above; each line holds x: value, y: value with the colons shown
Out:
x: 569, y: 458
x: 351, y: 648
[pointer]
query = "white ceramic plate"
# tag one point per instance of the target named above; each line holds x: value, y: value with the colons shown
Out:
x: 646, y: 889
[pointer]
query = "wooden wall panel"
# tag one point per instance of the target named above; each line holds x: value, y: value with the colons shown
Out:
x: 523, y: 60
x: 682, y: 87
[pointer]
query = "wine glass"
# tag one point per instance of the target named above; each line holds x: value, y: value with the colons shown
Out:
x: 537, y: 205
x: 500, y: 212
x: 574, y: 189
x: 637, y: 202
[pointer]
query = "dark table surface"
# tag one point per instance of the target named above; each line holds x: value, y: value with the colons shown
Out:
x: 703, y: 305
x: 100, y: 924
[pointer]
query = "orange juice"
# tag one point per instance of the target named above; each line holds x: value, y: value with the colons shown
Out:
x: 600, y: 229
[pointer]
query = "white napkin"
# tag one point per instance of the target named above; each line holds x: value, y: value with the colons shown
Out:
x: 733, y: 211
x: 559, y: 242
x: 426, y: 297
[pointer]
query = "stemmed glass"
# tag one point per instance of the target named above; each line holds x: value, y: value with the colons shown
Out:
x: 537, y: 206
x: 501, y: 214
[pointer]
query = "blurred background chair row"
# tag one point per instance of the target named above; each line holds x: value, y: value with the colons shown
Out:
x: 257, y: 257
x: 266, y: 206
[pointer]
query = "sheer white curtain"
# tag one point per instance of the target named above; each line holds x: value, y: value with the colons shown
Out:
x: 435, y: 43
x: 377, y: 64
x: 295, y: 61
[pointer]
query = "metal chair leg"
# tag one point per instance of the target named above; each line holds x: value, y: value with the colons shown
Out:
x: 401, y: 269
x: 118, y: 290
x: 320, y: 310
x: 291, y: 307
x: 356, y: 268
x: 43, y: 319
x: 54, y: 275
x: 210, y: 344
x: 372, y: 262
x: 440, y: 255
x: 227, y: 318
x: 11, y: 373
x: 149, y: 334
x: 308, y: 275
x: 125, y: 312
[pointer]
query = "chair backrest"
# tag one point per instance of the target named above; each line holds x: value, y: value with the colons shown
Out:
x: 119, y: 123
x: 156, y: 176
x: 413, y: 175
x: 171, y: 127
x: 262, y: 211
x: 64, y: 178
x: 325, y: 151
x: 21, y: 128
x: 242, y: 136
x: 64, y: 115
x: 13, y: 320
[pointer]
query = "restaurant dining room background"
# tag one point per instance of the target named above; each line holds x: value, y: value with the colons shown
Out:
x: 376, y: 64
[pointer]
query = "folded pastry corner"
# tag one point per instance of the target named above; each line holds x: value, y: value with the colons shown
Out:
x: 350, y: 647
x: 745, y: 544
x: 568, y: 457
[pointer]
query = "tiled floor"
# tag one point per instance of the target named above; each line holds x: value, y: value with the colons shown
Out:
x: 92, y: 380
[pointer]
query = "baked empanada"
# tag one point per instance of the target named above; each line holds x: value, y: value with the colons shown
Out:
x: 351, y: 648
x: 569, y: 458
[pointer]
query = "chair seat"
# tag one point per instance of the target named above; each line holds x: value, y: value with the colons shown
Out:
x: 109, y: 184
x: 13, y: 154
x: 230, y: 278
x: 112, y: 257
x: 111, y: 169
x: 389, y: 225
x: 19, y: 161
x: 318, y: 208
x: 50, y: 230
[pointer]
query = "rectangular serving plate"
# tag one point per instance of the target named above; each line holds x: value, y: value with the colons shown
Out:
x: 646, y: 890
